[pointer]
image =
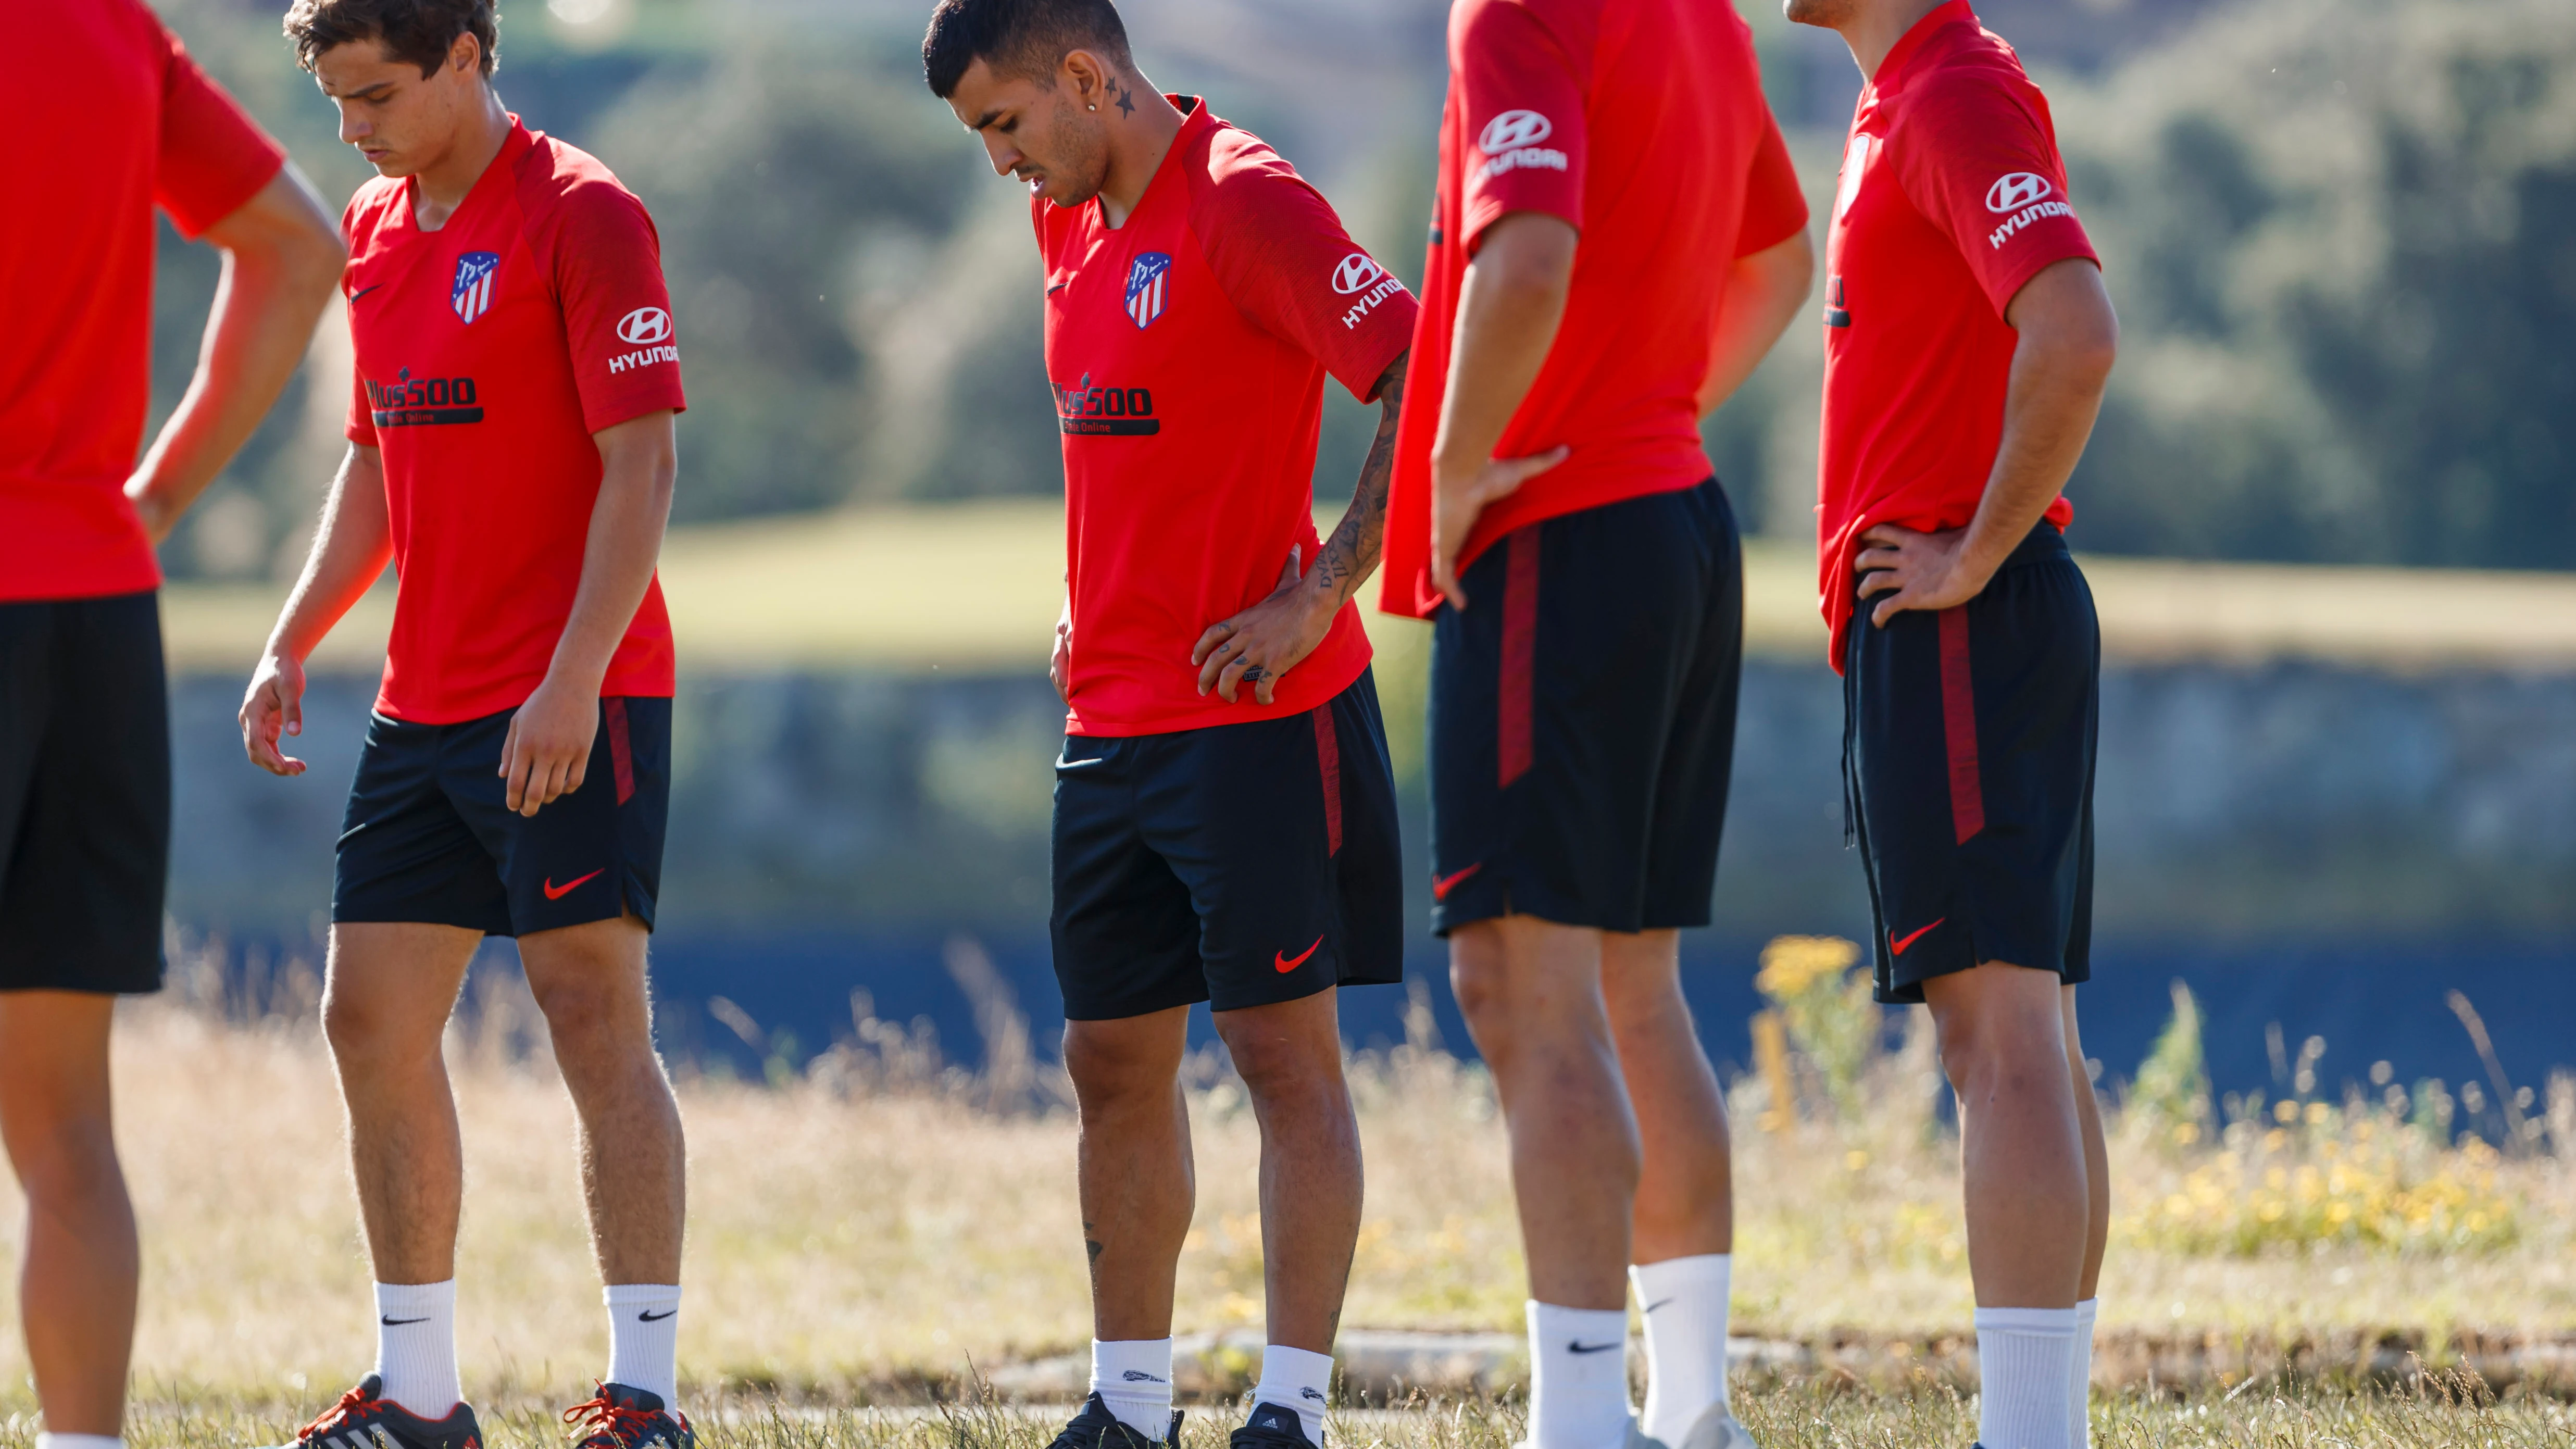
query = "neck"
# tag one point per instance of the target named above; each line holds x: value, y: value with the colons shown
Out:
x: 441, y: 187
x: 1138, y: 141
x: 1876, y: 29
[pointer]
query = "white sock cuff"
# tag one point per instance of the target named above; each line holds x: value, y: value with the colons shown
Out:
x: 1281, y: 1364
x: 1591, y: 1325
x: 2047, y: 1322
x: 46, y: 1440
x: 2087, y: 1312
x: 1696, y: 1273
x: 640, y: 1295
x: 409, y: 1300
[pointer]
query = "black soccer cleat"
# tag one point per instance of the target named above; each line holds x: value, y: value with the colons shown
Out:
x: 1098, y: 1428
x: 623, y: 1418
x: 365, y: 1419
x: 1272, y: 1427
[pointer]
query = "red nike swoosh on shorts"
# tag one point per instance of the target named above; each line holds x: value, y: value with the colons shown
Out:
x: 558, y: 892
x: 1285, y: 965
x: 1896, y: 947
x: 1442, y: 885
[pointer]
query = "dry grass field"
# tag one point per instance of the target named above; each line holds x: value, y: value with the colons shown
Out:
x: 879, y: 1230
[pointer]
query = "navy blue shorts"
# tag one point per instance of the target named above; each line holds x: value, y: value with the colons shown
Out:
x: 1968, y: 773
x: 429, y: 836
x: 1583, y: 718
x: 1239, y: 865
x: 84, y: 794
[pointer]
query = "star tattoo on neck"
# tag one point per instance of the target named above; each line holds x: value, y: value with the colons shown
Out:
x: 1127, y: 101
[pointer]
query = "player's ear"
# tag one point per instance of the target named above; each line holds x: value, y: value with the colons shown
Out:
x: 1085, y: 79
x: 465, y: 54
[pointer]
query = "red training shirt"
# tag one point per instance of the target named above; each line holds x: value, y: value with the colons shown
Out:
x: 1187, y: 352
x: 488, y: 353
x: 108, y: 118
x: 1952, y: 198
x: 1643, y: 125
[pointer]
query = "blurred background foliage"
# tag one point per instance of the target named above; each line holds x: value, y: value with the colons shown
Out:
x: 2341, y: 233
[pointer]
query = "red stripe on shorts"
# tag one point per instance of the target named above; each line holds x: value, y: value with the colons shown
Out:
x: 619, y: 751
x: 1520, y: 650
x: 1959, y: 725
x: 1328, y: 756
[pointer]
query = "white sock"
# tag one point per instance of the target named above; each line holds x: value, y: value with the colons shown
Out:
x: 1685, y: 1304
x: 2023, y: 1362
x: 644, y: 1338
x: 1133, y: 1376
x: 2080, y: 1385
x: 1578, y: 1377
x: 1294, y: 1378
x: 416, y: 1346
x: 78, y: 1441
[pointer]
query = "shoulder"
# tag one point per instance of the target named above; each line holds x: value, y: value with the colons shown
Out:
x: 1575, y: 25
x: 561, y: 186
x: 1972, y: 82
x: 1232, y: 172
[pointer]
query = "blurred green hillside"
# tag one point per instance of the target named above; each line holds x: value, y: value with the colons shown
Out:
x: 2342, y: 235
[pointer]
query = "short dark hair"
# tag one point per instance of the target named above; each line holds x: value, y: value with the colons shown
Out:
x: 1023, y: 38
x: 418, y: 31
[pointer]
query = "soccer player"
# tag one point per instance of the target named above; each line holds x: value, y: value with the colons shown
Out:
x: 1617, y: 240
x: 511, y: 451
x: 1225, y: 824
x: 1967, y: 342
x: 112, y: 119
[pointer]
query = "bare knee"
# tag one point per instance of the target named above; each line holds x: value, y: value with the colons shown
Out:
x: 1480, y: 980
x: 1277, y: 1067
x: 365, y: 1026
x: 594, y: 1019
x: 1988, y: 1052
x: 1110, y: 1074
x: 66, y: 1160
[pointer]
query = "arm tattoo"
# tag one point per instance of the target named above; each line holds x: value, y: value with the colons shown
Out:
x: 1351, y: 554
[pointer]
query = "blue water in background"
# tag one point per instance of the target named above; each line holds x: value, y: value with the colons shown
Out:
x: 2370, y: 1001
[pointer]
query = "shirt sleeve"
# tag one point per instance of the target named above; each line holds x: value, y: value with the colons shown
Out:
x: 607, y: 264
x: 362, y: 417
x: 214, y: 157
x: 1774, y: 208
x: 1979, y: 161
x: 1521, y: 81
x: 1283, y: 258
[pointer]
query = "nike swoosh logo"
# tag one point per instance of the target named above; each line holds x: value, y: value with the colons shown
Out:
x: 1285, y: 965
x: 362, y: 291
x: 1442, y: 885
x: 1659, y: 1303
x: 399, y: 1322
x: 1078, y: 764
x: 649, y: 1317
x: 1572, y: 1346
x: 1058, y: 287
x: 558, y: 892
x: 1896, y: 947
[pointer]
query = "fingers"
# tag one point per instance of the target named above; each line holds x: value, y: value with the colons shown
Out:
x: 1879, y: 581
x: 1216, y: 634
x: 1291, y: 573
x: 1226, y: 652
x: 1269, y: 682
x: 514, y: 768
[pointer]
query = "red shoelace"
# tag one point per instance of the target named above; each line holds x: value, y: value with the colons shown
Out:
x: 603, y: 1417
x: 351, y: 1402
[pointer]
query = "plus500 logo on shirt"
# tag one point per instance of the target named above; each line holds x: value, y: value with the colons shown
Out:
x: 1083, y: 410
x: 416, y: 402
x: 1510, y: 142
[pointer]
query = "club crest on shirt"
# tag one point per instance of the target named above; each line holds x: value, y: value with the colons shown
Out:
x: 1148, y: 283
x: 472, y: 294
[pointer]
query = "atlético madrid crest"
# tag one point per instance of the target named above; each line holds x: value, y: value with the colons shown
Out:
x: 472, y: 294
x: 1147, y: 283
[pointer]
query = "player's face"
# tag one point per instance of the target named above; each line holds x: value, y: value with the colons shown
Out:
x: 1034, y: 133
x: 399, y: 119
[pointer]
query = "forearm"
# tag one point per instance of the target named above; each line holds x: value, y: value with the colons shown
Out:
x: 350, y: 549
x: 280, y: 264
x: 1509, y: 308
x: 1352, y: 553
x: 624, y: 545
x: 1763, y: 294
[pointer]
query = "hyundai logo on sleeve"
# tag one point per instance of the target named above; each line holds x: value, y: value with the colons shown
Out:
x: 1355, y: 273
x: 472, y: 294
x: 1512, y: 130
x: 2015, y: 191
x: 644, y: 326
